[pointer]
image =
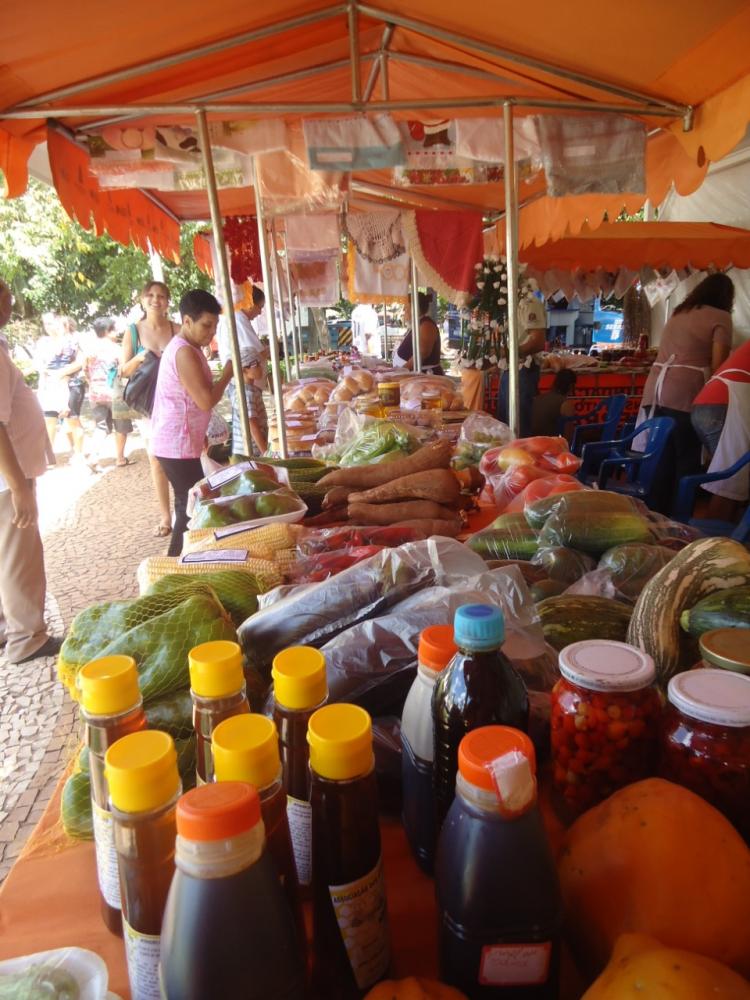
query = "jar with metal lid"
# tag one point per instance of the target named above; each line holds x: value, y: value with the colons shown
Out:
x: 605, y: 721
x: 432, y: 399
x: 728, y: 648
x: 705, y: 740
x: 390, y: 394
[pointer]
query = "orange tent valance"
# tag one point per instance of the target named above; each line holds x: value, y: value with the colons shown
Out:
x: 128, y: 216
x: 634, y: 245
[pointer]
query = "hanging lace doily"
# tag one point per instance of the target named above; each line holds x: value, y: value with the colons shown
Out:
x: 376, y: 235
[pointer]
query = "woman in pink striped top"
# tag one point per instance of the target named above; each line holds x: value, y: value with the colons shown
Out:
x: 185, y: 396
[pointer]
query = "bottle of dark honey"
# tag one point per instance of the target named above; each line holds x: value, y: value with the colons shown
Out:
x: 351, y: 950
x: 246, y: 748
x: 299, y: 689
x: 228, y: 932
x: 144, y: 786
x: 217, y: 687
x: 111, y: 707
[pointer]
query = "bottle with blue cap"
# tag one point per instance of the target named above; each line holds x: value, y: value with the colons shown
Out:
x: 481, y: 687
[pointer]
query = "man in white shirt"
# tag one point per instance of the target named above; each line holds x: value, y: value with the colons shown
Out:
x: 246, y: 335
x: 23, y: 457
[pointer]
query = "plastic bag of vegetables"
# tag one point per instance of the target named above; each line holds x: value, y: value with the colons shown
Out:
x: 479, y: 433
x: 314, y: 614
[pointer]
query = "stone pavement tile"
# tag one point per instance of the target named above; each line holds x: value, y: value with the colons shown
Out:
x: 96, y: 530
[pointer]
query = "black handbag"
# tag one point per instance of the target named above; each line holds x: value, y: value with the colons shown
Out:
x: 140, y: 388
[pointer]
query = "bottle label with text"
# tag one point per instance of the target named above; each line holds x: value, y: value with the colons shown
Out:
x: 360, y: 910
x: 142, y: 953
x: 106, y: 856
x: 299, y: 814
x: 515, y: 964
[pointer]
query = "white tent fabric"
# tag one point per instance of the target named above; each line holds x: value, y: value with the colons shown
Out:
x: 724, y: 197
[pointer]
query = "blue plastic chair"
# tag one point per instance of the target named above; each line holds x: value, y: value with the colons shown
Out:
x: 588, y: 428
x: 686, y: 500
x: 601, y: 459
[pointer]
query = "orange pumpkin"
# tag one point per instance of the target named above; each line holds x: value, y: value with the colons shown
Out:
x: 656, y: 859
x: 413, y: 989
x: 641, y: 967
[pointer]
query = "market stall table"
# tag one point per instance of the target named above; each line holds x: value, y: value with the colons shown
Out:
x: 50, y: 900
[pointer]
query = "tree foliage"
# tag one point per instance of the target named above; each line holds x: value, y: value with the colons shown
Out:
x: 53, y: 264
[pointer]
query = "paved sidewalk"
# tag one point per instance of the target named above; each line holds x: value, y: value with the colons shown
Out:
x: 96, y: 529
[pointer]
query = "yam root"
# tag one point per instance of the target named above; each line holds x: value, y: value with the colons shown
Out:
x: 439, y: 485
x: 335, y: 515
x: 448, y: 528
x: 338, y: 496
x: 364, y: 477
x: 392, y: 513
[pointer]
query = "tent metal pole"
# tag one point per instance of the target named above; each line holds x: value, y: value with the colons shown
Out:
x: 288, y: 376
x: 352, y: 17
x: 511, y: 250
x: 384, y: 83
x: 430, y: 31
x: 296, y: 337
x: 268, y: 288
x: 403, y: 195
x: 415, y: 346
x: 232, y: 111
x: 226, y: 284
x: 377, y: 65
x: 176, y: 58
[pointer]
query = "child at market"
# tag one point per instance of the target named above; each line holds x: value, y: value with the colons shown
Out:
x: 253, y: 372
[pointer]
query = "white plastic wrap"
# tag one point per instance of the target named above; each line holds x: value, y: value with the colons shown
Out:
x: 61, y: 974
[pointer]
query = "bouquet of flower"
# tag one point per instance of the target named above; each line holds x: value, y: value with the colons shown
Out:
x: 488, y: 326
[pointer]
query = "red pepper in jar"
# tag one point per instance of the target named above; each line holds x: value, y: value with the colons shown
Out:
x: 604, y: 721
x: 705, y: 740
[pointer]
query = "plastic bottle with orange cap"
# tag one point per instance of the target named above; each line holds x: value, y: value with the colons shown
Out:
x: 498, y: 896
x: 144, y: 786
x: 351, y: 949
x: 111, y: 707
x: 228, y: 931
x: 300, y: 688
x: 436, y: 650
x: 217, y: 687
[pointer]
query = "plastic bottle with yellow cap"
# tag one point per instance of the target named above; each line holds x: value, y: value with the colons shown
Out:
x: 351, y: 949
x: 246, y: 748
x: 228, y: 931
x: 499, y: 905
x: 217, y: 687
x: 436, y: 650
x: 111, y: 707
x: 300, y: 688
x: 144, y: 786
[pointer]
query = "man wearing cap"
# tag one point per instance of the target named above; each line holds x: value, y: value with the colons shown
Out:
x: 23, y: 457
x: 532, y: 318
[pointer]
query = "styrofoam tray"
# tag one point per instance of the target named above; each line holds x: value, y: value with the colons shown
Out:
x: 86, y: 967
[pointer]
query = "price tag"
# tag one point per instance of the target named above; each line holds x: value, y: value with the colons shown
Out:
x: 224, y: 476
x: 215, y: 556
x: 233, y: 529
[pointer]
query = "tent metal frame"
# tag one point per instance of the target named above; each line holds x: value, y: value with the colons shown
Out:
x: 640, y: 104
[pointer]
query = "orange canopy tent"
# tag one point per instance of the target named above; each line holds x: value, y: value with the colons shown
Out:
x: 633, y: 245
x: 674, y: 65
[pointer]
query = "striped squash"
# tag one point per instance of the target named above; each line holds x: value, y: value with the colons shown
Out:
x: 701, y: 568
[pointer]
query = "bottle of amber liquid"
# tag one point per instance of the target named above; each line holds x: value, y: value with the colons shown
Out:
x: 299, y: 689
x: 351, y: 949
x: 144, y: 786
x: 228, y: 932
x: 217, y: 687
x: 111, y: 707
x: 246, y: 748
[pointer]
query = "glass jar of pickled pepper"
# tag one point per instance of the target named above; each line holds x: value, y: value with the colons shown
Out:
x: 705, y: 740
x: 605, y: 721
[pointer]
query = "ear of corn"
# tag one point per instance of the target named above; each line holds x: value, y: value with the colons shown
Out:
x: 277, y: 535
x: 155, y: 567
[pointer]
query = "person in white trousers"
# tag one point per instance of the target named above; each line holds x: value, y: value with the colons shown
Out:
x: 23, y: 457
